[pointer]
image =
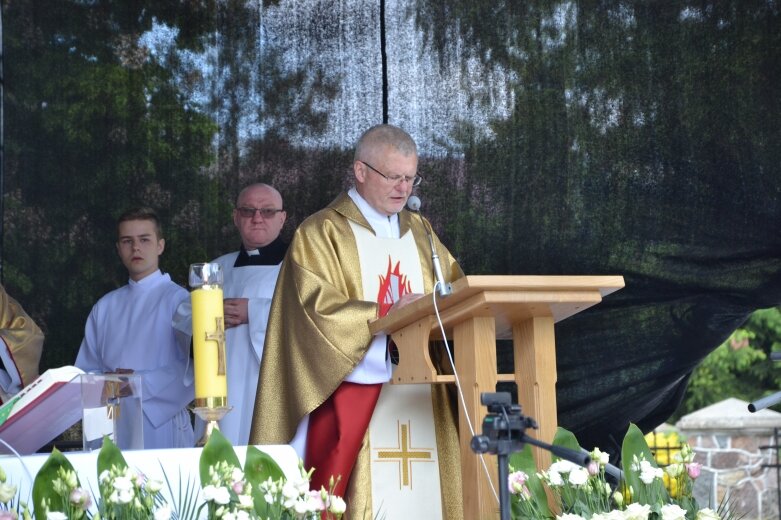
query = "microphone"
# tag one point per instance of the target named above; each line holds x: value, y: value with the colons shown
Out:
x: 413, y: 204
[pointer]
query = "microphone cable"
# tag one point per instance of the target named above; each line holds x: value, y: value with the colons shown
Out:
x: 462, y: 399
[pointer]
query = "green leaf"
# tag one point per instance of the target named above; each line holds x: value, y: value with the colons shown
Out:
x: 217, y: 449
x: 635, y: 444
x: 42, y: 486
x: 259, y: 467
x: 110, y: 456
x: 566, y: 439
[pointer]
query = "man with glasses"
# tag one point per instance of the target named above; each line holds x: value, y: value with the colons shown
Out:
x: 249, y: 277
x: 323, y: 371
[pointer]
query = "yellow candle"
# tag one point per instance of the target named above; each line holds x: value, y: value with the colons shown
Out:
x: 207, y: 309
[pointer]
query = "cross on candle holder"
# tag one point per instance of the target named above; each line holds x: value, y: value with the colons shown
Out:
x: 219, y: 336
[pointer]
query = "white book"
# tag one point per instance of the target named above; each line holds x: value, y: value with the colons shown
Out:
x: 42, y: 410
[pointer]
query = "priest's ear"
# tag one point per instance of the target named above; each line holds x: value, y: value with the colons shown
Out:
x: 359, y: 169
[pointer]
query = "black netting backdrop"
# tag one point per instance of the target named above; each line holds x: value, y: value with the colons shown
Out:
x: 617, y: 137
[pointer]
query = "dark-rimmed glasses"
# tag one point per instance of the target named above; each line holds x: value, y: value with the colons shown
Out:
x: 264, y: 212
x: 414, y: 180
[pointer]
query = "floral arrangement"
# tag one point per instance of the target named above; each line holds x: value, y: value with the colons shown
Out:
x: 258, y: 490
x: 567, y: 491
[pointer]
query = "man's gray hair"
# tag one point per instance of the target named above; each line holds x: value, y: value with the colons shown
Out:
x: 387, y: 135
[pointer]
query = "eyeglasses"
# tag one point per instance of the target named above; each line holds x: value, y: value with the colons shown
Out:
x: 264, y: 212
x: 414, y: 180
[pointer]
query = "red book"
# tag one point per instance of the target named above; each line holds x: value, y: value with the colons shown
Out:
x: 41, y: 411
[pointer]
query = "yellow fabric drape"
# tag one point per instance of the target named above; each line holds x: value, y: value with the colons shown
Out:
x: 22, y: 336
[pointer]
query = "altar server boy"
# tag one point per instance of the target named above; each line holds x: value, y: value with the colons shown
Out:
x: 129, y: 331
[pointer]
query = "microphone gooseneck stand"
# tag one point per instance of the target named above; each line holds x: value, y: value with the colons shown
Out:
x: 443, y: 288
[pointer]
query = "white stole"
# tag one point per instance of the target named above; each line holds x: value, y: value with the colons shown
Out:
x: 404, y: 460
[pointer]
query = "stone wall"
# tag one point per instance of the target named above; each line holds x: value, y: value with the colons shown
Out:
x: 735, y: 466
x: 734, y: 448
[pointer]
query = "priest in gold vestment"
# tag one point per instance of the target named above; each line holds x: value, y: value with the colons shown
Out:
x: 322, y: 370
x: 21, y: 344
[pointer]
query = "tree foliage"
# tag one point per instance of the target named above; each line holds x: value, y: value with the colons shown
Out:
x: 740, y: 367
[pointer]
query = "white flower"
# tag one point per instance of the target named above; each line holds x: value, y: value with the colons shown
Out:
x: 237, y: 475
x: 673, y: 512
x: 563, y: 466
x: 209, y: 492
x: 245, y: 502
x: 56, y: 515
x: 218, y: 495
x: 122, y: 484
x: 648, y: 473
x: 707, y: 514
x: 289, y: 490
x: 600, y: 457
x: 569, y: 516
x: 637, y: 511
x: 336, y: 505
x: 7, y: 492
x: 125, y: 496
x: 242, y: 515
x: 674, y: 470
x: 163, y: 513
x: 153, y: 486
x: 105, y: 476
x: 302, y: 485
x: 301, y: 507
x: 222, y: 496
x: 578, y: 476
x: 554, y: 478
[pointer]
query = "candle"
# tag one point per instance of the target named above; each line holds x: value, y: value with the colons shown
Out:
x: 211, y: 386
x: 208, y: 345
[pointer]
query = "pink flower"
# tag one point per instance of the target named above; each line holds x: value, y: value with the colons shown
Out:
x: 516, y: 483
x: 694, y: 469
x: 7, y: 514
x: 80, y: 499
x: 316, y: 498
x: 593, y: 468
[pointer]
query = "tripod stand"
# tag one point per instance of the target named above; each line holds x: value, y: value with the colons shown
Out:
x: 504, y: 433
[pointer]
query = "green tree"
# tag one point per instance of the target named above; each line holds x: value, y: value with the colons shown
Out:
x: 739, y: 367
x: 96, y: 124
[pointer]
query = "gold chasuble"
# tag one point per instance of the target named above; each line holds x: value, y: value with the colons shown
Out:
x: 22, y: 337
x: 318, y: 332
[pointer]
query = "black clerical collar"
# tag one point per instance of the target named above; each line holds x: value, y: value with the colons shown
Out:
x: 271, y: 254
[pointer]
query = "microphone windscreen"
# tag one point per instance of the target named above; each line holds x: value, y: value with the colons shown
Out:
x: 413, y: 202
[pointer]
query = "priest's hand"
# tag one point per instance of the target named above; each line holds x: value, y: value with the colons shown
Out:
x: 235, y: 310
x: 406, y: 299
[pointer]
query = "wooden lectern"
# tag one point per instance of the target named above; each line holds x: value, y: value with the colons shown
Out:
x: 480, y: 310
